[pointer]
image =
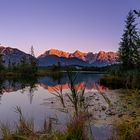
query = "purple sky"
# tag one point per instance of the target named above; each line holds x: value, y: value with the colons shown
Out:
x: 86, y: 25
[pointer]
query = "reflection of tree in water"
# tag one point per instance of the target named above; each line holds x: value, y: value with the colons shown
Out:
x: 30, y: 83
x: 32, y: 87
x: 83, y: 78
x: 23, y: 84
x: 1, y: 87
x: 56, y: 76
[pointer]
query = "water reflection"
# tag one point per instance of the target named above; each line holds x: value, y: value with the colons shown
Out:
x: 90, y: 80
x: 30, y: 94
x: 43, y: 87
x: 50, y: 82
x: 13, y: 85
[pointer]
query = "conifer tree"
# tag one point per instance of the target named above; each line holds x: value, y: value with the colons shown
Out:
x: 1, y: 63
x: 32, y: 51
x: 33, y: 61
x: 129, y: 46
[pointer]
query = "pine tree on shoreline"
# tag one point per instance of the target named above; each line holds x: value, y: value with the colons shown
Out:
x: 129, y: 46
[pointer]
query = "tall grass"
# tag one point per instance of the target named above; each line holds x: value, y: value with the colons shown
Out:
x: 126, y: 129
x: 58, y: 92
x: 75, y: 130
x: 24, y: 129
x: 76, y: 97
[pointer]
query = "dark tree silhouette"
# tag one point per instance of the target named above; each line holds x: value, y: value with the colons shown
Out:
x: 32, y: 51
x: 1, y: 63
x: 129, y: 46
x: 137, y: 13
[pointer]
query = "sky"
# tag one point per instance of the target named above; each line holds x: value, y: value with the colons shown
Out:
x: 69, y: 25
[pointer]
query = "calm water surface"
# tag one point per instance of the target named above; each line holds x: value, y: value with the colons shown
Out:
x: 30, y: 96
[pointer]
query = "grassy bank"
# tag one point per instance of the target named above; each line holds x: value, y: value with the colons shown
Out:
x: 41, y: 73
x: 127, y: 126
x: 122, y: 78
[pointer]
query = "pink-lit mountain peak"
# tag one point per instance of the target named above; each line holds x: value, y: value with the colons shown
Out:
x: 61, y: 53
x: 77, y: 52
x: 56, y: 52
x: 101, y: 58
x: 81, y: 55
x: 107, y: 55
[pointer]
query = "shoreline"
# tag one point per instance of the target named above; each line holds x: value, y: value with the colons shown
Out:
x: 100, y: 112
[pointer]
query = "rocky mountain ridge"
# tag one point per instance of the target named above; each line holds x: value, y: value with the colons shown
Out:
x: 91, y: 59
x: 53, y: 56
x: 13, y: 55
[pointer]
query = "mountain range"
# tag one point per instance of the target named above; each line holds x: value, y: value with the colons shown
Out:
x: 100, y: 59
x: 53, y: 56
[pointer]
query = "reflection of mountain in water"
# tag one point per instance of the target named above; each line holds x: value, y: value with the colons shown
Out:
x: 48, y: 82
x: 90, y: 80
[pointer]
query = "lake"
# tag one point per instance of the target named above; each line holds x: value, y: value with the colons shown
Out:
x: 33, y: 97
